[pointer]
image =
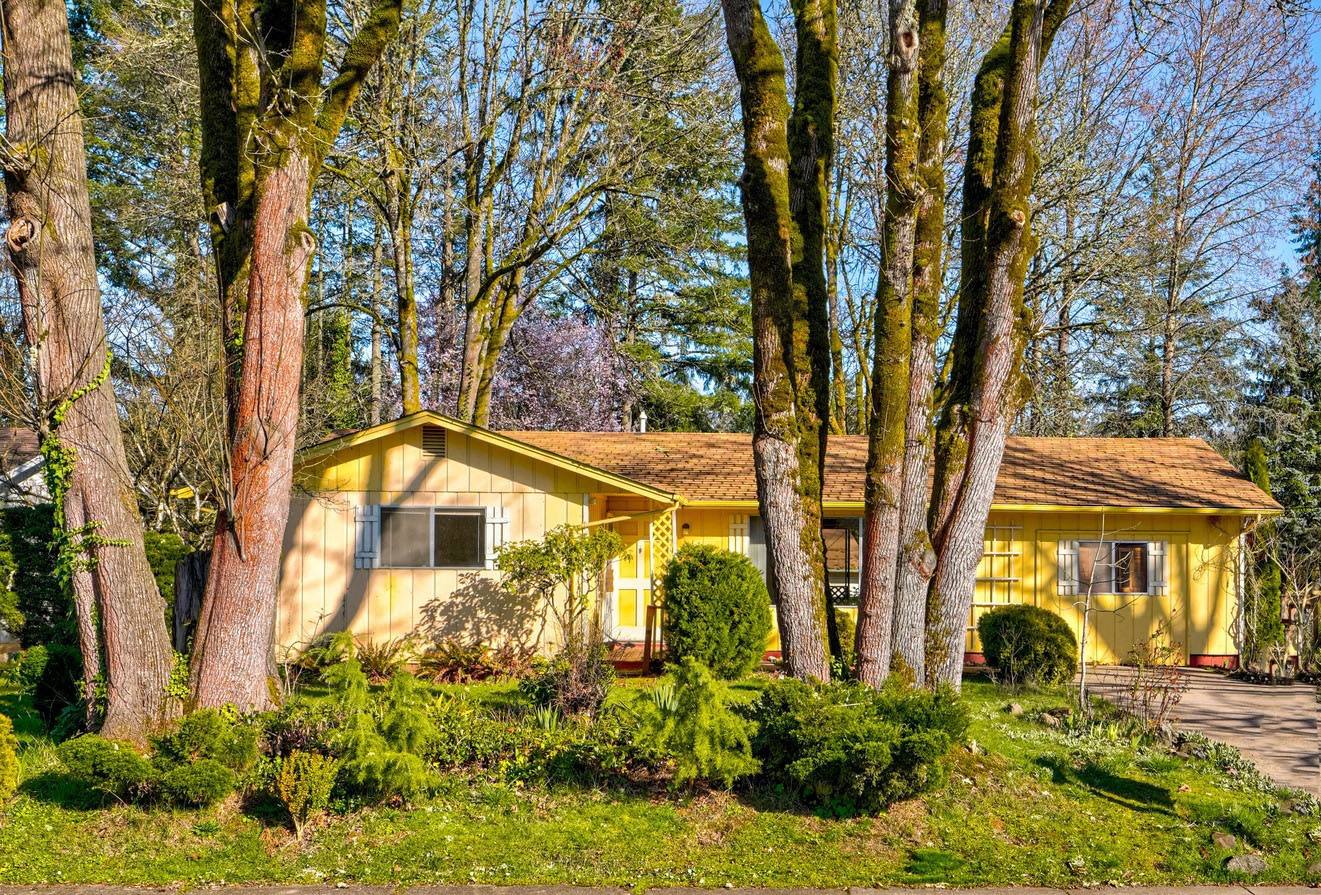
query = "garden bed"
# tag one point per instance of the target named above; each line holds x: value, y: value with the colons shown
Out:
x: 1026, y: 804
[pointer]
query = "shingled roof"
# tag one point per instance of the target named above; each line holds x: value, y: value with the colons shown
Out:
x: 17, y: 446
x: 1147, y: 473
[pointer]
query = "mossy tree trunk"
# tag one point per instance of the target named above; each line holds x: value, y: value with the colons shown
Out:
x: 984, y: 389
x: 916, y: 560
x: 790, y: 334
x: 811, y: 142
x: 265, y: 133
x: 891, y: 355
x: 121, y: 618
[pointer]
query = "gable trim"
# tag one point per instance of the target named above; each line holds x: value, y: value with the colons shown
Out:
x: 431, y: 418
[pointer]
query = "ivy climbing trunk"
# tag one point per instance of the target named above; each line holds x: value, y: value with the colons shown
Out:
x: 265, y: 132
x: 121, y: 617
x: 789, y: 393
x: 984, y: 392
x: 892, y: 352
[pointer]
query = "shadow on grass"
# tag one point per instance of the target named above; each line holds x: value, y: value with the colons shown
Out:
x: 1136, y: 795
x: 63, y: 791
x: 930, y: 865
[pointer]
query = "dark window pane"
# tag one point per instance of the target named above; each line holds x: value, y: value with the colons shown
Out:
x: 459, y: 540
x: 1131, y: 568
x: 404, y: 537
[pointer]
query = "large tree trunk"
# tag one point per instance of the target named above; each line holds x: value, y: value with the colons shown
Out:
x: 229, y: 663
x: 990, y: 355
x: 265, y: 132
x: 810, y: 138
x: 785, y: 490
x: 50, y: 247
x: 916, y: 560
x: 893, y: 350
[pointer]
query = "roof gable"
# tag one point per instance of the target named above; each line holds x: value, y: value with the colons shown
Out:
x: 610, y: 479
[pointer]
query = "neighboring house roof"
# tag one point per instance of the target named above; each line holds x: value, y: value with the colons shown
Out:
x: 1144, y: 473
x: 17, y: 446
x: 21, y: 479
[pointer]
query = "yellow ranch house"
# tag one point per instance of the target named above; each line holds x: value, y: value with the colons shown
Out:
x: 394, y: 530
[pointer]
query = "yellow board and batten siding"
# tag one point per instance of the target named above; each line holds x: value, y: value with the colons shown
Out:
x: 1021, y: 565
x: 320, y: 590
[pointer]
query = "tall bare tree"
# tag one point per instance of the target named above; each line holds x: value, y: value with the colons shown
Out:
x: 121, y: 622
x: 267, y: 124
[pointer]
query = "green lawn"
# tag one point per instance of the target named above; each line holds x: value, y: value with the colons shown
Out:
x: 1031, y: 805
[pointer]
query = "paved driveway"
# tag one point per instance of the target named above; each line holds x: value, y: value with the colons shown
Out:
x: 1275, y: 726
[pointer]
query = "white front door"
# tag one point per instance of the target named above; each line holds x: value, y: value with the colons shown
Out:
x: 629, y: 585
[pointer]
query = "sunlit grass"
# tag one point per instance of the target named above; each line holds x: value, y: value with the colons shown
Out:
x: 1031, y: 805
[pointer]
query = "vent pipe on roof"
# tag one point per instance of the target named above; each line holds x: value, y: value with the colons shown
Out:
x: 642, y: 420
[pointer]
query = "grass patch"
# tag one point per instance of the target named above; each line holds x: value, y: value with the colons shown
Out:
x: 1030, y: 805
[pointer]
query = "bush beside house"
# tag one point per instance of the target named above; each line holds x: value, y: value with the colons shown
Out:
x: 1028, y: 645
x: 717, y: 610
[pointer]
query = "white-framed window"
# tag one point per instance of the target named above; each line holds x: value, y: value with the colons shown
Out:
x: 433, y: 538
x: 391, y: 537
x: 1113, y: 567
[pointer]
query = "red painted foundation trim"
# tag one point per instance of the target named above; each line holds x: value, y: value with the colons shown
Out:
x: 1212, y: 661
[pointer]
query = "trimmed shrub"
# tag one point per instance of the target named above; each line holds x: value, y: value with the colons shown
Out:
x: 199, y: 783
x: 690, y: 718
x: 717, y: 610
x: 303, y: 786
x: 207, y: 735
x: 848, y: 748
x: 1028, y: 645
x: 8, y: 758
x: 109, y: 766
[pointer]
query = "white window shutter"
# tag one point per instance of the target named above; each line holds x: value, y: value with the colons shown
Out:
x: 1158, y: 568
x: 497, y: 530
x: 367, y: 522
x: 738, y: 534
x: 1068, y: 568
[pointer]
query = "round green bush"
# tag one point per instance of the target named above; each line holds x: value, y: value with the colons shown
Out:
x: 717, y: 610
x: 848, y: 748
x: 203, y: 782
x: 8, y: 758
x: 1028, y: 645
x: 107, y: 765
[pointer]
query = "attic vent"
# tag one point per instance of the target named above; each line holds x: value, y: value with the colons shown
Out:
x: 433, y: 441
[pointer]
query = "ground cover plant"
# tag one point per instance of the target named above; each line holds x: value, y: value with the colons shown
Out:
x: 1026, y: 803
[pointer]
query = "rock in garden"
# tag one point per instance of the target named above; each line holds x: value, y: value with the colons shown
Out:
x: 1015, y: 708
x: 973, y: 747
x: 1050, y: 721
x: 1224, y: 840
x: 1314, y: 869
x: 1252, y: 864
x: 1184, y: 787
